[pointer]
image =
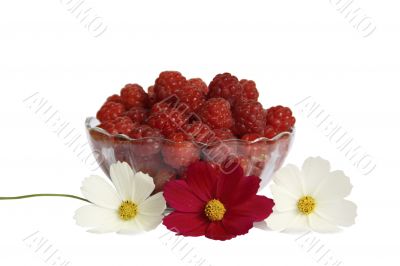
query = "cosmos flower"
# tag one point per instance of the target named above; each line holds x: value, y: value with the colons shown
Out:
x: 127, y: 208
x: 311, y: 199
x: 217, y: 205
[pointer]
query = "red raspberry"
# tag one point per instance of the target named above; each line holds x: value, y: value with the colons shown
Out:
x: 120, y: 125
x: 249, y: 90
x: 110, y: 111
x: 270, y: 132
x: 137, y: 114
x: 152, y: 95
x: 167, y: 83
x: 249, y: 117
x: 251, y: 136
x: 169, y: 121
x: 216, y: 113
x: 199, y: 84
x: 162, y: 177
x: 114, y: 98
x: 225, y: 86
x: 179, y: 152
x: 133, y: 95
x: 148, y: 140
x: 148, y: 164
x: 223, y: 134
x: 280, y: 118
x: 256, y: 151
x: 198, y: 131
x: 190, y: 96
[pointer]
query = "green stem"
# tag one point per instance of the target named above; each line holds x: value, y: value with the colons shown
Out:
x: 43, y: 195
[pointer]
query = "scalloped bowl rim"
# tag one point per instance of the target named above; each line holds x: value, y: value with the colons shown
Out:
x: 90, y: 128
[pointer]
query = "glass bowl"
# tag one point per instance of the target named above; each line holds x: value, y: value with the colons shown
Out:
x: 156, y: 156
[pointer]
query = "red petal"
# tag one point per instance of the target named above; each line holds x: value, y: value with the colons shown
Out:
x: 257, y: 208
x: 179, y: 196
x: 202, y: 179
x: 186, y: 224
x: 227, y: 184
x: 246, y: 189
x: 237, y: 225
x: 216, y: 231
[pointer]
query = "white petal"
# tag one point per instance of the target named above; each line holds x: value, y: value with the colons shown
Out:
x: 149, y: 222
x: 321, y: 225
x: 98, y: 191
x: 122, y: 177
x: 284, y: 201
x: 131, y: 227
x: 314, y: 170
x: 289, y: 177
x: 335, y: 186
x: 340, y: 212
x: 155, y: 205
x: 101, y: 220
x: 143, y: 187
x: 299, y: 224
x: 279, y: 221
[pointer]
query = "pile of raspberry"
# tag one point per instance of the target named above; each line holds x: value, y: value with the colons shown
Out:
x: 190, y: 114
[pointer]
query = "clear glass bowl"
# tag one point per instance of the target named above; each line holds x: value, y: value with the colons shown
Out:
x: 261, y: 157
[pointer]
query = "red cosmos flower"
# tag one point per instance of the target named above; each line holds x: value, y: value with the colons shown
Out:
x: 214, y: 204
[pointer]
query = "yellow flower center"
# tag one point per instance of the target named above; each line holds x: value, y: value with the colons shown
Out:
x: 306, y: 205
x: 214, y: 210
x: 127, y: 210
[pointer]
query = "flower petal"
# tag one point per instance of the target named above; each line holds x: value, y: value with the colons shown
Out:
x: 321, y: 225
x: 122, y: 177
x: 186, y: 224
x: 98, y: 191
x: 216, y: 231
x: 279, y: 221
x: 149, y: 222
x: 131, y: 227
x: 341, y: 212
x: 284, y: 201
x: 180, y: 197
x: 153, y: 206
x: 143, y: 187
x: 101, y: 220
x: 237, y: 225
x: 257, y: 208
x: 227, y: 183
x: 246, y: 189
x: 335, y: 186
x: 202, y: 179
x: 289, y: 177
x: 314, y: 170
x: 299, y: 224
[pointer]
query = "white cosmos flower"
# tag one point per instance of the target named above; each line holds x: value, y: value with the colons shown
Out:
x: 128, y: 208
x: 311, y: 199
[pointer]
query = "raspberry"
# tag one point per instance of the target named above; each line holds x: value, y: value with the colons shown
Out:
x: 223, y: 134
x: 179, y: 152
x: 148, y: 164
x: 225, y: 86
x: 152, y: 95
x: 148, y: 140
x: 167, y: 83
x: 120, y: 125
x: 110, y: 111
x: 249, y: 90
x: 216, y: 113
x: 168, y: 121
x: 190, y: 96
x: 137, y: 114
x: 249, y: 117
x: 199, y: 84
x: 256, y: 151
x: 251, y: 136
x: 162, y: 177
x: 114, y: 98
x: 133, y: 95
x: 270, y: 132
x: 198, y: 131
x: 280, y: 119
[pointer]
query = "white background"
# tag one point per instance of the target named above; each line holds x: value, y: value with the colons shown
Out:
x: 292, y: 49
